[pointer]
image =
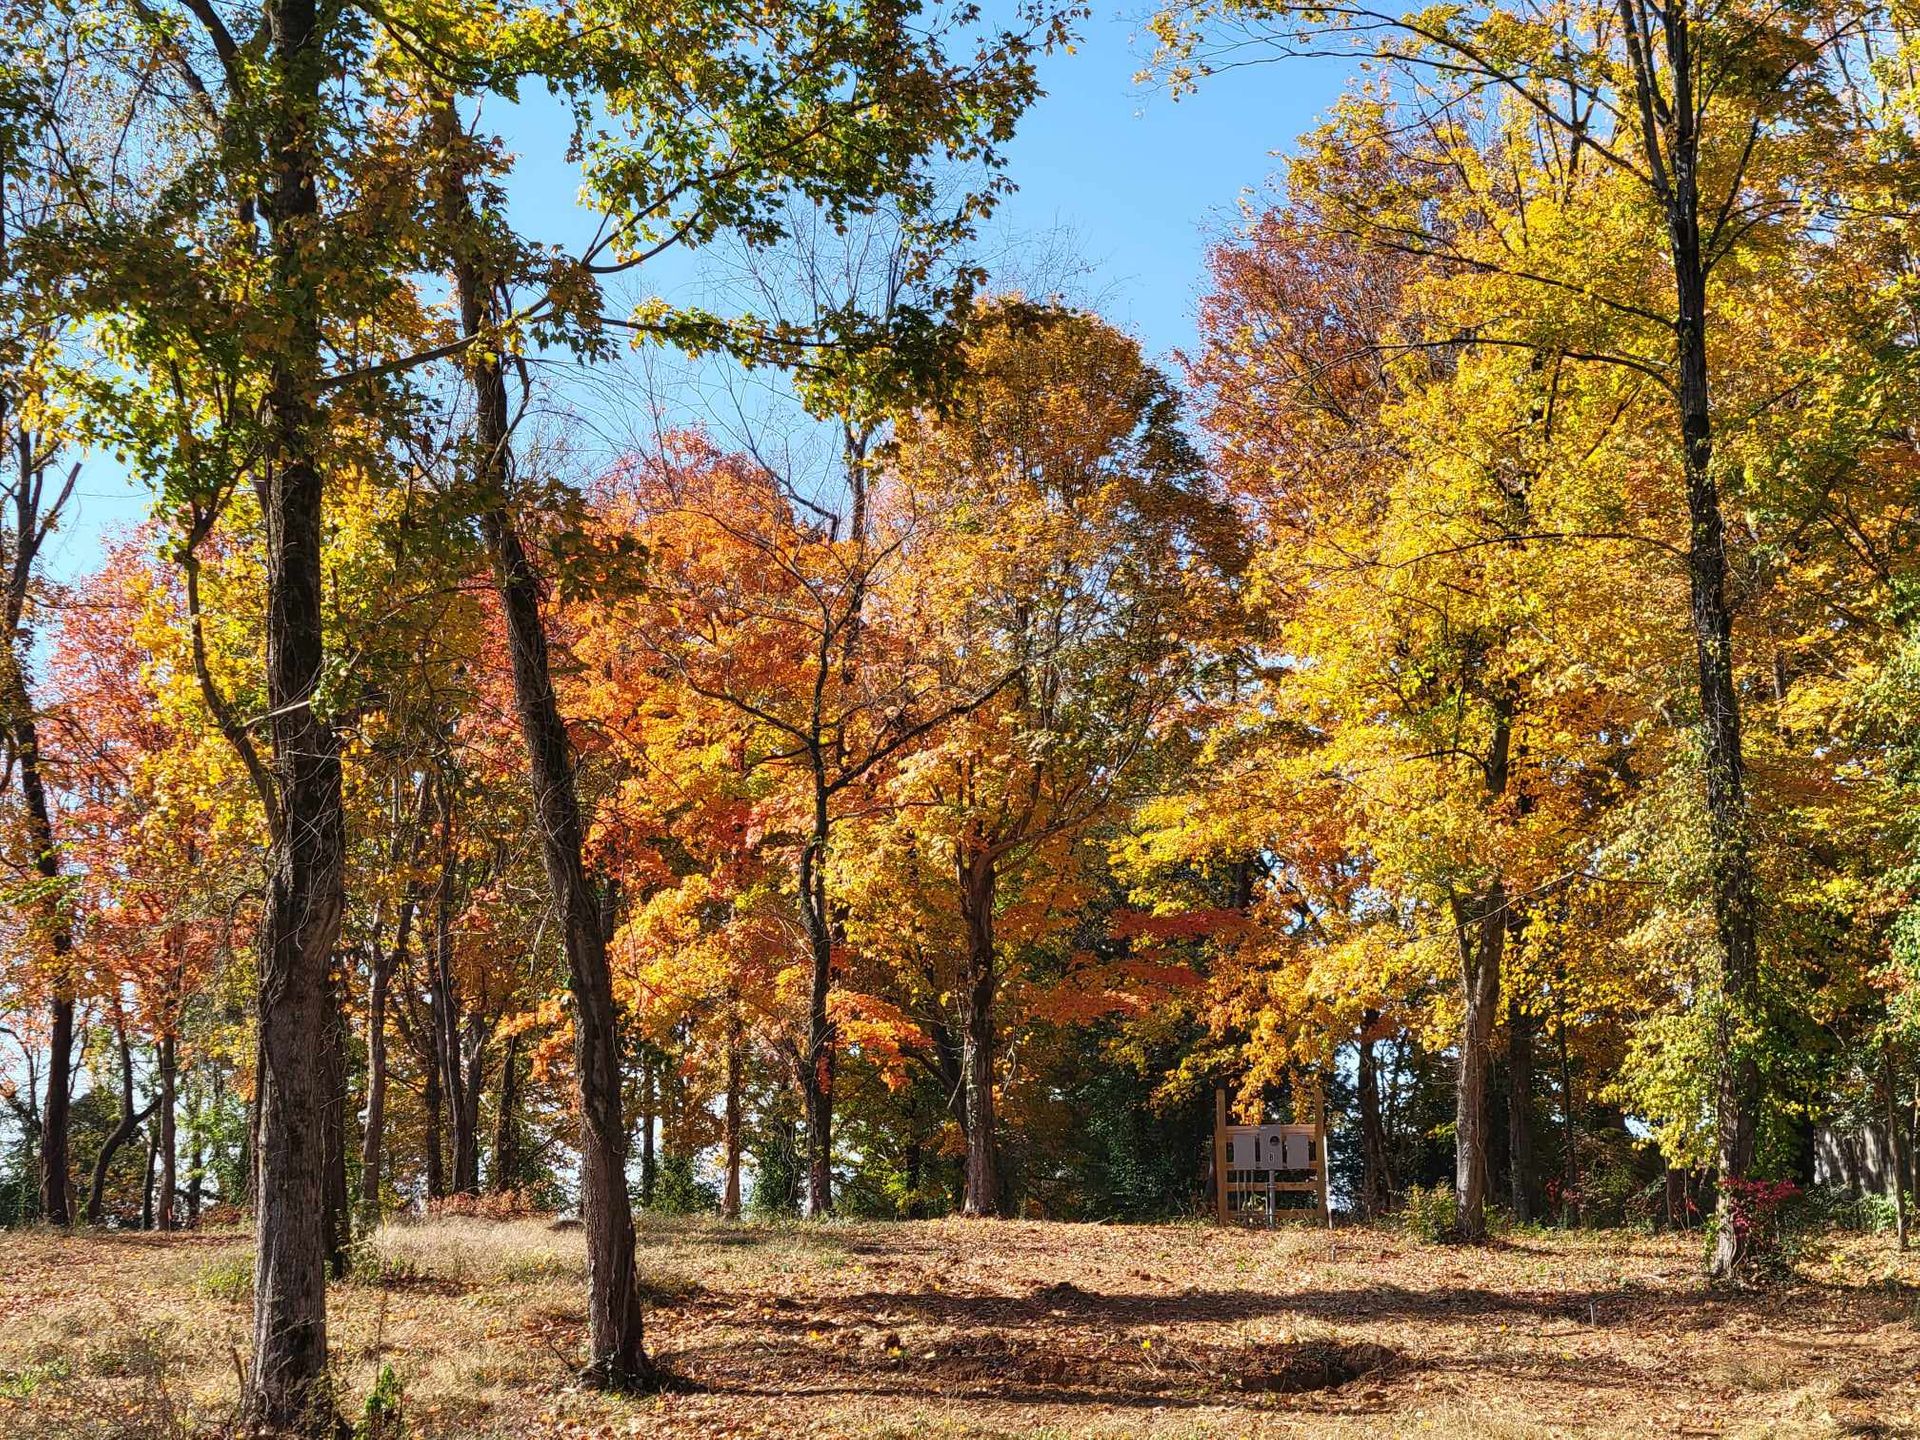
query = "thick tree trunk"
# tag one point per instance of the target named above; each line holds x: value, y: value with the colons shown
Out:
x: 165, y: 1137
x: 976, y: 876
x: 56, y: 1165
x: 614, y: 1322
x: 288, y: 1382
x: 1520, y: 1163
x: 1376, y: 1175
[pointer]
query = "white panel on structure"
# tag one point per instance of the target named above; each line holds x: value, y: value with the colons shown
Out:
x: 1298, y: 1151
x: 1273, y: 1143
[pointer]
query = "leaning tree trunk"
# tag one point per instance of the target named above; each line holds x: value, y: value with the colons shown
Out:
x: 130, y: 1121
x: 613, y: 1317
x: 614, y: 1322
x: 977, y: 886
x: 288, y: 1385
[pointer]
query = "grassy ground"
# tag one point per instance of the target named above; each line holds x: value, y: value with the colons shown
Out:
x: 951, y: 1329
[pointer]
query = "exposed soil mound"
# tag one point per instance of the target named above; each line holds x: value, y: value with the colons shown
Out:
x: 1295, y: 1367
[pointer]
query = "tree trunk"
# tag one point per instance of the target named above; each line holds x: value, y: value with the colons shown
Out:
x: 1570, y: 1158
x: 1481, y: 930
x: 1674, y: 167
x: 196, y: 1155
x: 56, y: 1165
x: 730, y: 1200
x: 130, y: 1121
x: 373, y: 1136
x: 614, y: 1320
x: 288, y: 1382
x: 1897, y: 1150
x: 165, y: 1137
x: 506, y: 1162
x: 977, y: 893
x: 1376, y: 1178
x: 436, y: 1149
x: 649, y: 1111
x: 338, y: 1106
x: 821, y: 1062
x: 1520, y: 1167
x: 466, y: 1134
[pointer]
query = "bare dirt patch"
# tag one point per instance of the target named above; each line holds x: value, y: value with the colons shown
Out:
x: 955, y: 1330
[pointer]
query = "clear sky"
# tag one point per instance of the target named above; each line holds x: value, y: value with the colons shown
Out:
x: 1139, y: 182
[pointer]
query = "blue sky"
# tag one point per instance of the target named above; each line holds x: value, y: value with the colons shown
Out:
x: 1139, y: 182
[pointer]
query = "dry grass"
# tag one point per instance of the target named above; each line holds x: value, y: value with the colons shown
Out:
x: 961, y: 1331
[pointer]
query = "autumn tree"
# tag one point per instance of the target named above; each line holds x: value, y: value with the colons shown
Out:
x: 1059, y: 513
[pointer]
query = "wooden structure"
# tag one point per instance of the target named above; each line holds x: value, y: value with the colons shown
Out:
x: 1259, y: 1169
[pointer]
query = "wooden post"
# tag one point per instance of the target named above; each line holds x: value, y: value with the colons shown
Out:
x: 1220, y: 1154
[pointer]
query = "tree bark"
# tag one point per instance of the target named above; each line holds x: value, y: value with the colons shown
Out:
x: 373, y: 1136
x: 649, y: 1164
x: 288, y: 1382
x: 1520, y: 1166
x: 975, y: 872
x: 165, y: 1137
x: 146, y: 1179
x: 338, y: 1107
x: 387, y: 964
x: 1481, y: 929
x: 56, y: 1164
x: 435, y: 1104
x: 1895, y: 1146
x: 506, y: 1162
x: 1376, y: 1172
x: 614, y: 1321
x: 730, y: 1200
x: 821, y: 1062
x: 130, y: 1121
x: 1671, y: 138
